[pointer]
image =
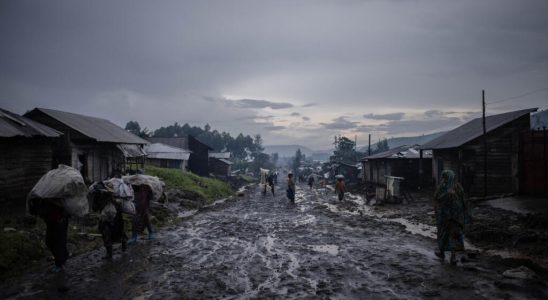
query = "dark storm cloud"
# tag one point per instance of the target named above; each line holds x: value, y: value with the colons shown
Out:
x: 391, y: 116
x: 274, y: 128
x: 340, y: 123
x: 154, y: 61
x: 253, y: 103
x: 295, y: 114
x: 306, y: 118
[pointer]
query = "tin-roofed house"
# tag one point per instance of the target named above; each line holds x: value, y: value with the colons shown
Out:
x: 198, y: 161
x: 462, y: 151
x: 165, y: 156
x: 25, y: 155
x: 95, y: 146
x: 220, y: 164
x: 402, y: 161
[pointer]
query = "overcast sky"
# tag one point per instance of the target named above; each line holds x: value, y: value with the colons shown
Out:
x: 297, y: 72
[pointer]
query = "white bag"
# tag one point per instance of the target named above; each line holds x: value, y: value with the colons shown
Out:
x: 155, y: 184
x: 128, y: 207
x: 64, y: 183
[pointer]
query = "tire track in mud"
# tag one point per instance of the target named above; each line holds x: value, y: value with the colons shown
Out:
x: 266, y: 247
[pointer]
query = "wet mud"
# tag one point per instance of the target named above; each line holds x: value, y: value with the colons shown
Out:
x: 265, y: 247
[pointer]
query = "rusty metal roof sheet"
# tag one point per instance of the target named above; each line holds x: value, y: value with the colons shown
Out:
x: 12, y: 125
x: 162, y: 151
x: 101, y: 130
x: 474, y: 129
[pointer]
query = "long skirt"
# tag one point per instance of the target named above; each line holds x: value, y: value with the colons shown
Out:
x: 450, y: 236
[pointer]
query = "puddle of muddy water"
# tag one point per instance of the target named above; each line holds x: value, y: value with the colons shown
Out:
x: 330, y: 249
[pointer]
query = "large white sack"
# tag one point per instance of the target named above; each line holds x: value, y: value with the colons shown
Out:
x: 64, y: 183
x: 119, y: 188
x: 155, y: 184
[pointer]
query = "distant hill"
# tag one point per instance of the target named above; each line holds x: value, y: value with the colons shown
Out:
x: 407, y: 140
x: 287, y: 150
x: 540, y: 119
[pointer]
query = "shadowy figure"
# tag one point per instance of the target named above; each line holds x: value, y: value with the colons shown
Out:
x: 290, y: 188
x: 143, y: 196
x: 452, y: 214
x: 340, y: 188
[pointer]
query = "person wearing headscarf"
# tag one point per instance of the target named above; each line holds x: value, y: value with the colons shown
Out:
x: 452, y: 214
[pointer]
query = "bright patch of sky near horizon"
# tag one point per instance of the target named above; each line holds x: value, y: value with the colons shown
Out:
x: 297, y: 72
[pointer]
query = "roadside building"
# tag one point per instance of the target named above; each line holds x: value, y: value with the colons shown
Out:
x: 95, y: 146
x: 165, y: 156
x: 198, y: 161
x: 220, y: 164
x: 26, y: 151
x: 402, y: 161
x: 462, y: 150
x: 349, y: 171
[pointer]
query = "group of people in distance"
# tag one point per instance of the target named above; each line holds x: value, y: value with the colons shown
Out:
x: 340, y: 187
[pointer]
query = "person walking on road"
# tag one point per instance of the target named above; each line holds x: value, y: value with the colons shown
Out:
x: 290, y: 188
x: 311, y: 180
x: 143, y: 196
x: 270, y: 181
x: 451, y: 209
x: 56, y: 220
x: 340, y: 188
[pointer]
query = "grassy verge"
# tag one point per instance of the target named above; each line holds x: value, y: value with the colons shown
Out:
x: 207, y: 188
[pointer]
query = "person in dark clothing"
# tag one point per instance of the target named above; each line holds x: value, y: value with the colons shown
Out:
x: 270, y: 181
x: 311, y: 181
x: 111, y: 226
x: 56, y: 221
x: 143, y: 196
x: 290, y: 188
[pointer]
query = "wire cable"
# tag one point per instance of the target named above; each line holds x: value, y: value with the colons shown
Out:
x: 519, y: 96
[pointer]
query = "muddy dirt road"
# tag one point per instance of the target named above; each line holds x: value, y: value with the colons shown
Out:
x: 265, y: 247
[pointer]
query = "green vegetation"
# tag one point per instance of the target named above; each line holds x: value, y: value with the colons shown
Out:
x: 206, y: 188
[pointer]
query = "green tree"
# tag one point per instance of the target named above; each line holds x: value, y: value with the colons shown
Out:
x: 345, y: 150
x: 135, y: 128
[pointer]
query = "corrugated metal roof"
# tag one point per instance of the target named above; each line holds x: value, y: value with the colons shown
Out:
x: 224, y: 155
x: 177, y: 142
x: 404, y: 151
x: 101, y: 130
x: 228, y: 162
x: 162, y: 151
x: 131, y: 150
x: 12, y: 125
x: 474, y: 129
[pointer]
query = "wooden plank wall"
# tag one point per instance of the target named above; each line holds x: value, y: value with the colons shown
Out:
x: 22, y: 163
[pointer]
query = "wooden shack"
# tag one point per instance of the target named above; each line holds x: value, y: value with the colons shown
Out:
x: 462, y: 151
x: 220, y: 164
x: 198, y: 161
x: 165, y: 156
x: 349, y: 171
x: 402, y: 161
x: 95, y: 146
x: 25, y: 155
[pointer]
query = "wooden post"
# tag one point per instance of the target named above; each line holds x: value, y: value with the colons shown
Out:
x: 421, y: 173
x: 369, y: 147
x: 484, y: 147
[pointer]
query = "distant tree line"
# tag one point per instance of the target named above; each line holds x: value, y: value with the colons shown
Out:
x: 247, y: 151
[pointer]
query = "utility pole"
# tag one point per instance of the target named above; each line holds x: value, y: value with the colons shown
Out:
x: 369, y: 147
x: 484, y: 147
